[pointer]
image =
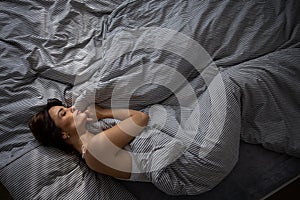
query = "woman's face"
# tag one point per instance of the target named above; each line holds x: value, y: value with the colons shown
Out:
x: 68, y: 119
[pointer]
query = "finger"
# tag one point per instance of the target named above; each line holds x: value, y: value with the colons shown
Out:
x: 90, y: 119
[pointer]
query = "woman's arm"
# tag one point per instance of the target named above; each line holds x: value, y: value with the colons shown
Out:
x: 133, y: 123
x: 105, y: 150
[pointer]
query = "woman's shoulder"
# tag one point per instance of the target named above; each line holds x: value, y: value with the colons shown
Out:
x: 99, y: 160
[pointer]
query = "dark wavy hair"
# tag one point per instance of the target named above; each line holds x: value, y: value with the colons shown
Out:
x: 44, y: 130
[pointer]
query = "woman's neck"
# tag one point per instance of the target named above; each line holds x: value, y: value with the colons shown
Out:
x: 82, y: 140
x: 85, y: 138
x: 77, y: 144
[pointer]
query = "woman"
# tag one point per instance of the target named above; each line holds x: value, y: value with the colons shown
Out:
x: 64, y: 128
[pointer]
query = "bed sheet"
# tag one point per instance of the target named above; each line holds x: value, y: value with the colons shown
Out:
x: 34, y: 37
x: 52, y: 48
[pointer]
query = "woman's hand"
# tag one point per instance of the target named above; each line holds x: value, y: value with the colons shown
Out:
x: 95, y: 112
x: 91, y: 113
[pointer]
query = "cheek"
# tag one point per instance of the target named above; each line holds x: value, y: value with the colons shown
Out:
x: 80, y: 119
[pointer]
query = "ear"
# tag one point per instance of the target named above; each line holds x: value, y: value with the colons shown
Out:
x: 65, y: 135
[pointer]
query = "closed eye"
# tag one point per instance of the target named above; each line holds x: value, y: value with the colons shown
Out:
x: 61, y: 113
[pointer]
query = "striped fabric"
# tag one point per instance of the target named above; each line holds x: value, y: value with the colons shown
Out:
x: 148, y: 55
x: 244, y: 46
x: 34, y: 67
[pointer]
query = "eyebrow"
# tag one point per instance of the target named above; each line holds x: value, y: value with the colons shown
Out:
x: 59, y: 112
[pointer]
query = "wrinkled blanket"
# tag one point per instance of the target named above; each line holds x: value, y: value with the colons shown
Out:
x: 199, y: 108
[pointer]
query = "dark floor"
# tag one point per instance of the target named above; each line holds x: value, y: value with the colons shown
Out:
x: 4, y: 195
x: 290, y: 192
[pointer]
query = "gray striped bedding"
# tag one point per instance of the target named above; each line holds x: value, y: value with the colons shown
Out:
x: 208, y: 73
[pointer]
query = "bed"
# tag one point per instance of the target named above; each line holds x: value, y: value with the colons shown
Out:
x: 240, y: 59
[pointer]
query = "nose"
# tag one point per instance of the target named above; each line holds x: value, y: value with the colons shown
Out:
x: 71, y: 109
